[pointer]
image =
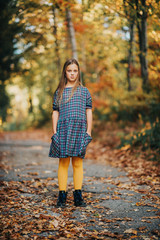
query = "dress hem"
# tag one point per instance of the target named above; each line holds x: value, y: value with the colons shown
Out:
x: 66, y: 156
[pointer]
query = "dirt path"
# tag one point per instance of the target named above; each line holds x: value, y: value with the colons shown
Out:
x: 117, y: 207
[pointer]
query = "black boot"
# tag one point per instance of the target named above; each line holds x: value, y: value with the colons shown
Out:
x: 61, y: 202
x: 78, y: 200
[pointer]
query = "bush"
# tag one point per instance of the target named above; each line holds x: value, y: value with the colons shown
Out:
x: 129, y: 107
x: 148, y: 137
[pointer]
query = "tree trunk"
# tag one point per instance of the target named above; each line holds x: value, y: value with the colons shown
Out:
x: 142, y: 33
x: 58, y: 60
x: 30, y: 110
x: 71, y: 33
x: 4, y: 102
x: 83, y: 50
x: 130, y: 55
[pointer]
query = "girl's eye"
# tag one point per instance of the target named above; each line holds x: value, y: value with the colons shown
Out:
x: 71, y: 70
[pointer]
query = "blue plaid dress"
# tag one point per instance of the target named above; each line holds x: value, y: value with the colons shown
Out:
x: 71, y: 138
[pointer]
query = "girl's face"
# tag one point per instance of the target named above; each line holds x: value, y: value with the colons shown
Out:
x: 72, y: 73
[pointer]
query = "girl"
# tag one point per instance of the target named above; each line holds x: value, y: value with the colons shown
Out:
x: 72, y: 123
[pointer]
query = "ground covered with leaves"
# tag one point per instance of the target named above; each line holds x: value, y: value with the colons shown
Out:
x: 121, y: 189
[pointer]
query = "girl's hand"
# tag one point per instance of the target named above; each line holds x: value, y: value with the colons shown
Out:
x: 89, y: 121
x: 89, y: 133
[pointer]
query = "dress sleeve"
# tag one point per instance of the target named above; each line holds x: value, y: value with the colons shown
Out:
x: 89, y: 100
x: 55, y: 102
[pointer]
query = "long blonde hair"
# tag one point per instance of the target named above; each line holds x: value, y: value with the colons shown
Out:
x: 63, y: 80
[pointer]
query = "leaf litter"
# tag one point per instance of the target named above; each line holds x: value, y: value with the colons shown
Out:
x: 28, y: 206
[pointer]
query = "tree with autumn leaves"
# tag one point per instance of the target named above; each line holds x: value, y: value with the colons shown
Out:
x: 116, y: 43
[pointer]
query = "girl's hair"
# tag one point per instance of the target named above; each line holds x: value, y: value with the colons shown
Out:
x: 63, y: 80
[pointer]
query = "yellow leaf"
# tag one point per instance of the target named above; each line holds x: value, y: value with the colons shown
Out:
x: 69, y: 235
x: 126, y: 147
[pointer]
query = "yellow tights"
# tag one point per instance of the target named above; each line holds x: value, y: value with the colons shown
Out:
x: 77, y: 164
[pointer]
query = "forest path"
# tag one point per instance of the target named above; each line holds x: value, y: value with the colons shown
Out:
x: 117, y: 207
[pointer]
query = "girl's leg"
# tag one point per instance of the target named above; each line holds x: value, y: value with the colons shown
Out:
x: 63, y: 173
x: 62, y: 180
x: 77, y: 164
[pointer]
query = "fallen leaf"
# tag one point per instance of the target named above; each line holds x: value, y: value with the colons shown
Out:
x: 131, y: 230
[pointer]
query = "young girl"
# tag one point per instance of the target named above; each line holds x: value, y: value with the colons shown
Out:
x: 72, y: 123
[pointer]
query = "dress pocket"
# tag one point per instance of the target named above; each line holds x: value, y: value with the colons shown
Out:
x: 88, y: 135
x: 54, y: 147
x: 87, y: 140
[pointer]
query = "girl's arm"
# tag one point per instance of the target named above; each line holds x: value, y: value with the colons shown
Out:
x: 89, y: 120
x: 55, y: 117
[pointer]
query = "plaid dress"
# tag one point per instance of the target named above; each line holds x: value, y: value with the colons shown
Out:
x: 71, y: 138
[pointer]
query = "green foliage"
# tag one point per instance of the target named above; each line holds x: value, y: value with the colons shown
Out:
x: 147, y: 112
x: 8, y: 59
x: 7, y: 32
x: 148, y: 138
x: 4, y: 102
x: 15, y: 126
x: 43, y: 118
x: 126, y: 113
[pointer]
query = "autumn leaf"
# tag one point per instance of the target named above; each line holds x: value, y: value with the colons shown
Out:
x: 130, y: 230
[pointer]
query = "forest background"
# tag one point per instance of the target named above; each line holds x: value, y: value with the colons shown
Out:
x: 117, y: 44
